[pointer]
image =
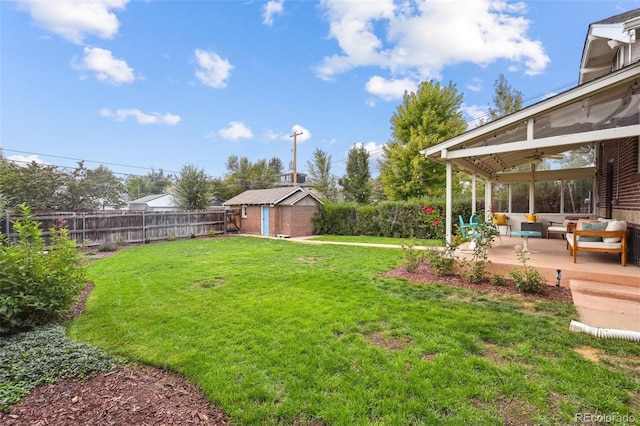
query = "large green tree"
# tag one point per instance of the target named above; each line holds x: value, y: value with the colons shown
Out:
x: 88, y: 189
x: 356, y: 183
x: 425, y: 118
x: 243, y: 175
x: 38, y: 186
x: 193, y: 188
x: 155, y: 182
x: 320, y: 176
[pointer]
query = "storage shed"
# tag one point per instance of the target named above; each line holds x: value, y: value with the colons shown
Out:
x: 277, y: 212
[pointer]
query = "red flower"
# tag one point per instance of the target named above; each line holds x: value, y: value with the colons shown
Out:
x: 428, y: 210
x: 436, y: 222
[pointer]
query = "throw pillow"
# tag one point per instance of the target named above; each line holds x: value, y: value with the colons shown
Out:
x: 616, y: 225
x: 591, y: 226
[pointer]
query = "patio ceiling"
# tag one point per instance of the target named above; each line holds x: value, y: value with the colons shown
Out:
x: 601, y: 110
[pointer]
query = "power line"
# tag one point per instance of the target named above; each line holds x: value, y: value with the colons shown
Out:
x: 86, y: 161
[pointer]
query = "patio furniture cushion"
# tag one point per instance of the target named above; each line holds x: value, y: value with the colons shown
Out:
x: 500, y: 219
x: 591, y: 226
x: 615, y: 225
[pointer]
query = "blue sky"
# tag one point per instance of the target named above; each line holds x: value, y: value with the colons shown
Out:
x: 137, y: 85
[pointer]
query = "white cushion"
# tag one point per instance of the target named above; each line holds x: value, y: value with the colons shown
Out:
x: 615, y: 225
x: 557, y: 229
x: 594, y: 244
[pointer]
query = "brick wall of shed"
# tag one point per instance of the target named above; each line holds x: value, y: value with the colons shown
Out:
x: 252, y: 223
x: 623, y: 154
x: 297, y: 221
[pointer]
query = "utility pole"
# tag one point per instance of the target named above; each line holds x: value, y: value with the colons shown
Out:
x: 295, y: 169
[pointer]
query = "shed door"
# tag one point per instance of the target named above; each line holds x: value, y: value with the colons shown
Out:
x: 265, y: 220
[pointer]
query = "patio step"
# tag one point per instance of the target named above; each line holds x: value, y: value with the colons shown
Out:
x: 606, y: 305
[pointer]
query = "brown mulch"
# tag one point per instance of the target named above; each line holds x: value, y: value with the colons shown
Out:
x: 425, y: 274
x: 126, y: 396
x: 145, y: 395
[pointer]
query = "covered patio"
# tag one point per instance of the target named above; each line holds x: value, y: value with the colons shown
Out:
x: 549, y: 255
x: 601, y: 114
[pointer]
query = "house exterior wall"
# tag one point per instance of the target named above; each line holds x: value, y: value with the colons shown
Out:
x: 626, y: 188
x: 625, y: 184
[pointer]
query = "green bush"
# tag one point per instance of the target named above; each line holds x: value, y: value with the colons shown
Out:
x: 420, y: 219
x: 443, y: 263
x: 37, y: 284
x: 108, y: 247
x: 528, y: 279
x: 412, y: 257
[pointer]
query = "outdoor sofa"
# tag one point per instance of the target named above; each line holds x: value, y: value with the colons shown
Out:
x: 601, y: 235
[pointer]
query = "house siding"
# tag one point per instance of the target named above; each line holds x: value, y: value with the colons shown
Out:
x: 624, y: 155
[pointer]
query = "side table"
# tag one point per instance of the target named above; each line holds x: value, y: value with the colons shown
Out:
x: 531, y: 226
x: 525, y: 238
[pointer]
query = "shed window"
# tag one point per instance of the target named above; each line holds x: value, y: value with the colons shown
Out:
x: 244, y: 211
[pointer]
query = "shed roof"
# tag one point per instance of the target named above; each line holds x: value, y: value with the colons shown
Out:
x: 282, y: 196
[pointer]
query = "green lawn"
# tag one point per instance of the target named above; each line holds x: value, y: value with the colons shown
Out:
x: 277, y: 332
x: 378, y: 240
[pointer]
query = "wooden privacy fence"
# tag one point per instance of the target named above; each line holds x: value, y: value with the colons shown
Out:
x: 94, y: 229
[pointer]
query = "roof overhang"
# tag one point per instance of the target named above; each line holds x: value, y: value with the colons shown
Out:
x: 601, y: 110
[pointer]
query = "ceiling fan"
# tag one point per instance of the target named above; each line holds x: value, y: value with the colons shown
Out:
x: 539, y: 156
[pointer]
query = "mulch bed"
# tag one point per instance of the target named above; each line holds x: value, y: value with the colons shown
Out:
x: 426, y: 275
x: 144, y: 395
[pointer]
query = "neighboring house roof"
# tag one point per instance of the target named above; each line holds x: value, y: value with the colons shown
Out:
x: 149, y: 198
x: 158, y: 201
x: 281, y: 196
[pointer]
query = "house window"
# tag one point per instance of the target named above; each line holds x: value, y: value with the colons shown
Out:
x: 244, y: 211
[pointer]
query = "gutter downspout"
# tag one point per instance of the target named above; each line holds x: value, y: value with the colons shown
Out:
x: 605, y: 333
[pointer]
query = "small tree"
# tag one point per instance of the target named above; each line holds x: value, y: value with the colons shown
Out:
x: 193, y: 189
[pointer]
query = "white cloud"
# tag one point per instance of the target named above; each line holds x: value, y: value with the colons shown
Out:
x: 303, y: 134
x: 236, y: 130
x: 25, y: 160
x: 73, y: 19
x: 212, y: 71
x: 417, y: 40
x: 475, y: 84
x: 141, y: 117
x: 272, y: 8
x: 106, y: 68
x: 390, y: 90
x: 270, y: 135
x: 474, y: 114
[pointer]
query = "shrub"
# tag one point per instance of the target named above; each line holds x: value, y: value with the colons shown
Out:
x: 37, y: 285
x: 497, y: 279
x: 527, y: 280
x: 412, y: 257
x: 441, y: 262
x: 108, y: 247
